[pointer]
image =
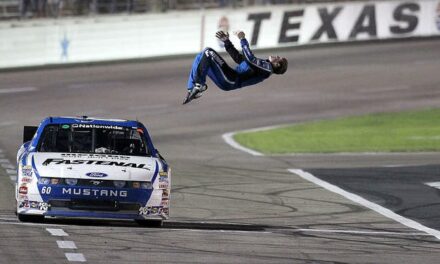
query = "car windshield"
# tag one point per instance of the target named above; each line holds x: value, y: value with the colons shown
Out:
x: 90, y: 138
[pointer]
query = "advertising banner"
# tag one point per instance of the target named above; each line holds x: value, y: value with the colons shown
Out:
x: 84, y: 39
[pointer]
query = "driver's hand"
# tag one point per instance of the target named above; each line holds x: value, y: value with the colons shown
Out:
x: 240, y: 34
x: 221, y: 35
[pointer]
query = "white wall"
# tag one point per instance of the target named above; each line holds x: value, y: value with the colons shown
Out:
x: 33, y: 43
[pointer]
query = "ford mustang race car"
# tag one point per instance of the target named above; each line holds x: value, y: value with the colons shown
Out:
x: 91, y: 168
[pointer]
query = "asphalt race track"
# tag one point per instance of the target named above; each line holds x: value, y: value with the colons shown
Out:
x: 228, y: 206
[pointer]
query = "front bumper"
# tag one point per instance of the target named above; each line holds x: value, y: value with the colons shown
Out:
x: 86, y: 202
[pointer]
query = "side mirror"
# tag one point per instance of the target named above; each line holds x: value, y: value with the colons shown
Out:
x: 28, y: 133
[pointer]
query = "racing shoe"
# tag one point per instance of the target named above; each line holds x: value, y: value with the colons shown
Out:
x: 195, y: 92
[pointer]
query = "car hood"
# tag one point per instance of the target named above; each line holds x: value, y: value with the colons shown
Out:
x: 94, y: 166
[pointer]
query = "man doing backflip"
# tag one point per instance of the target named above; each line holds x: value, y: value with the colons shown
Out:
x: 250, y: 69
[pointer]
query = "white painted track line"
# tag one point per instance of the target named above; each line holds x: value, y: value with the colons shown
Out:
x: 9, y: 171
x: 359, y: 200
x: 8, y: 123
x: 66, y: 244
x: 56, y: 232
x: 8, y: 166
x: 229, y: 139
x: 17, y: 90
x: 75, y: 257
x: 433, y: 184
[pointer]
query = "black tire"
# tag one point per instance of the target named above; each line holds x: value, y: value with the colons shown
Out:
x: 30, y: 218
x: 150, y: 223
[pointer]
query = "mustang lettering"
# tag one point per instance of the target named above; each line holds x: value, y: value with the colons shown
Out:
x: 95, y: 192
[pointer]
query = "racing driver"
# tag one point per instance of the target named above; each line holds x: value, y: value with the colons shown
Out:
x: 249, y: 71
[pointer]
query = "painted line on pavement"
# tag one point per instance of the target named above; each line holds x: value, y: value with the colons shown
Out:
x: 17, y: 90
x: 57, y: 232
x: 362, y: 201
x: 9, y: 168
x: 229, y: 138
x: 75, y: 257
x: 66, y: 244
x: 8, y: 165
x: 8, y: 123
x: 11, y: 172
x: 433, y: 184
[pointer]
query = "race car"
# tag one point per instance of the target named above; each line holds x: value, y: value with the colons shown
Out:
x: 91, y: 168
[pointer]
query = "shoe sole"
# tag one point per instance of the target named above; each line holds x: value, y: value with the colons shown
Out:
x: 197, y: 94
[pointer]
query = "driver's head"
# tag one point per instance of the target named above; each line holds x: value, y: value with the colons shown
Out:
x: 279, y: 64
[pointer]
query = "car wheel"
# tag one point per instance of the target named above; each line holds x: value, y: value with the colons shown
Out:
x: 30, y: 218
x: 150, y: 223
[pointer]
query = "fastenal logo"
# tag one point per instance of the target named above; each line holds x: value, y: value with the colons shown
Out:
x: 96, y: 174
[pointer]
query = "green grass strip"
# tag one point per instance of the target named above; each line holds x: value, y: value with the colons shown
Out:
x: 412, y: 131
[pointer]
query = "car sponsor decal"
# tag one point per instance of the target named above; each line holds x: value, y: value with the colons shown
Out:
x: 163, y: 183
x: 96, y: 174
x: 165, y: 202
x: 27, y: 171
x: 95, y: 162
x: 23, y: 189
x: 26, y: 179
x: 153, y: 210
x: 94, y: 156
x: 42, y: 206
x: 97, y: 126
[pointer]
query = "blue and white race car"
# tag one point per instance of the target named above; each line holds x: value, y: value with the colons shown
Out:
x: 91, y: 168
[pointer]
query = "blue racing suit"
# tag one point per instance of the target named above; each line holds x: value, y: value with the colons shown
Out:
x: 250, y: 69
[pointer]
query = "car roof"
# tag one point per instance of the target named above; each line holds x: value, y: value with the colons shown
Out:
x: 90, y: 120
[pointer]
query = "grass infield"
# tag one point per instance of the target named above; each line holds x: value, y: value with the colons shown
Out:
x: 411, y: 131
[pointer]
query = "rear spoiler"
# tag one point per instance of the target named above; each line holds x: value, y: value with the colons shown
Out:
x: 28, y: 133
